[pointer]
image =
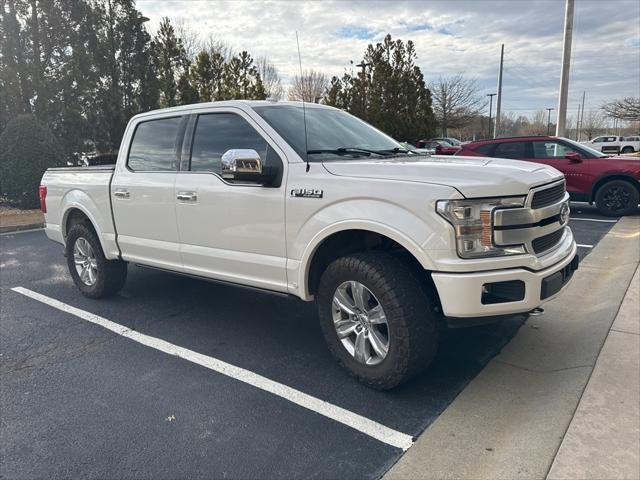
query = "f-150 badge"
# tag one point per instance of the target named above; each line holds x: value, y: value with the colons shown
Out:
x: 306, y: 192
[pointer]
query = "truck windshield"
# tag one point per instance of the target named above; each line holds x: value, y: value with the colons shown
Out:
x: 330, y: 133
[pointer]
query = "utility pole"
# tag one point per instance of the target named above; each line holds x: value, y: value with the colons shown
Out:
x: 578, y: 123
x: 364, y: 65
x: 582, y: 111
x: 564, y: 73
x: 499, y: 100
x: 549, y: 121
x: 490, y: 95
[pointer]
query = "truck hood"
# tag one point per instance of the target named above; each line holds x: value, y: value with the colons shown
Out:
x: 471, y: 176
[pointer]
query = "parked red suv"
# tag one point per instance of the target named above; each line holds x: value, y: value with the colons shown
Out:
x: 613, y: 183
x: 441, y: 147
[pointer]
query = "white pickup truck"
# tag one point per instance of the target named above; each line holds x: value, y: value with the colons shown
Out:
x: 313, y: 202
x: 615, y: 144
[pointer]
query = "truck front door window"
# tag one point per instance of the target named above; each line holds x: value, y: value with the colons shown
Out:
x: 154, y: 146
x: 218, y: 132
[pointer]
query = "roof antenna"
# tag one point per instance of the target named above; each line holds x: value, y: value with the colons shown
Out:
x: 304, y: 110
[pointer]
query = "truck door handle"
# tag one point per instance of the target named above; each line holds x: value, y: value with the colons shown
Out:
x: 187, y: 196
x: 121, y: 194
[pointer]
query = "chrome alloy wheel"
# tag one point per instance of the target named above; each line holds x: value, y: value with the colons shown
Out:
x: 360, y: 323
x: 85, y: 261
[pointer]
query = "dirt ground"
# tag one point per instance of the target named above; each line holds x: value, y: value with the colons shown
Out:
x: 14, y: 217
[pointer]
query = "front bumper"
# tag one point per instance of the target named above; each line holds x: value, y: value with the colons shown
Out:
x: 461, y: 294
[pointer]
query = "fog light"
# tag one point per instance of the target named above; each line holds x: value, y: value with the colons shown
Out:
x: 503, y: 292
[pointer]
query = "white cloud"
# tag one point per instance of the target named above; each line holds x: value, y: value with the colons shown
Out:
x: 450, y: 37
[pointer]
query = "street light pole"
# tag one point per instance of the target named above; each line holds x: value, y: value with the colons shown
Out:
x: 490, y: 95
x: 566, y: 67
x: 549, y: 121
x: 499, y: 99
x: 364, y: 65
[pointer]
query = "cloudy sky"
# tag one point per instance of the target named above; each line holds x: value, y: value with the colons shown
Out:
x: 451, y: 36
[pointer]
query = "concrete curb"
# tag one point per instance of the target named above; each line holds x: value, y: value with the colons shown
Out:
x: 603, y: 439
x: 19, y: 228
x: 510, y: 420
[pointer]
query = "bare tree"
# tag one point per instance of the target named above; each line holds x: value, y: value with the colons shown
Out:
x: 270, y: 78
x: 627, y: 108
x: 593, y: 123
x: 190, y: 39
x: 310, y: 87
x: 214, y: 45
x: 455, y: 101
x: 537, y: 124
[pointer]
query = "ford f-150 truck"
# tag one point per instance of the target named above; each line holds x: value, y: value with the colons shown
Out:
x: 310, y: 201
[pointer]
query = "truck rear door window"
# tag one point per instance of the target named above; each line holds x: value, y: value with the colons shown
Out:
x: 154, y: 146
x: 218, y: 132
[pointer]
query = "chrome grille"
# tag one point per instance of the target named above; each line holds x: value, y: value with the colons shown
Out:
x: 538, y: 225
x: 547, y: 242
x: 549, y: 196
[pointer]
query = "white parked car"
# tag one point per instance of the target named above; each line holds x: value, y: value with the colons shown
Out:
x: 614, y: 144
x: 392, y: 246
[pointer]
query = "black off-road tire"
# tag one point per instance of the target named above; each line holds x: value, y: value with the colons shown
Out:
x: 606, y: 194
x: 111, y: 274
x: 411, y: 316
x: 627, y: 150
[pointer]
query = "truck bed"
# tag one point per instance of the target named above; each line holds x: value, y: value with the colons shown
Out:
x: 86, y: 189
x: 93, y: 168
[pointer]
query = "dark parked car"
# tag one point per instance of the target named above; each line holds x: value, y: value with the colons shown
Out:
x: 453, y: 141
x: 612, y: 183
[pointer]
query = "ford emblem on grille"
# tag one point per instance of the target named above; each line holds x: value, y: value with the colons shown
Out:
x: 565, y: 211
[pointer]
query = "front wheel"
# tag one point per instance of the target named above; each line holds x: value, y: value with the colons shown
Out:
x: 377, y: 319
x: 616, y: 198
x: 93, y: 274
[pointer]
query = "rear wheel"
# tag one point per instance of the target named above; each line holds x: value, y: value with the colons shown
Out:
x: 93, y: 274
x: 617, y: 197
x: 377, y: 319
x: 627, y: 150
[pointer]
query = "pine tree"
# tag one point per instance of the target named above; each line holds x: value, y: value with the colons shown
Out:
x: 187, y: 94
x: 202, y: 76
x: 171, y: 61
x: 14, y: 91
x: 242, y: 80
x: 390, y: 93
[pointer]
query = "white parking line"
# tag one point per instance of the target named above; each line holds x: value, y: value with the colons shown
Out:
x: 584, y: 246
x: 339, y: 414
x: 594, y: 220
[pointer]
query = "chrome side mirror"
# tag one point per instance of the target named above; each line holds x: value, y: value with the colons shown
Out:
x: 242, y: 164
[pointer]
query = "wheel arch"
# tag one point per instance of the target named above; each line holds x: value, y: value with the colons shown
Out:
x: 350, y: 237
x: 75, y: 214
x: 77, y: 202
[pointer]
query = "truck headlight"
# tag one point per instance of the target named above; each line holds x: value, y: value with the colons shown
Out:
x: 472, y: 220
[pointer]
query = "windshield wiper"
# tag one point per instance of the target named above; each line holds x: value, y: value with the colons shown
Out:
x: 350, y: 151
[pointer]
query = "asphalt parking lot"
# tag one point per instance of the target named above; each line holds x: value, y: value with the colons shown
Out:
x: 78, y: 400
